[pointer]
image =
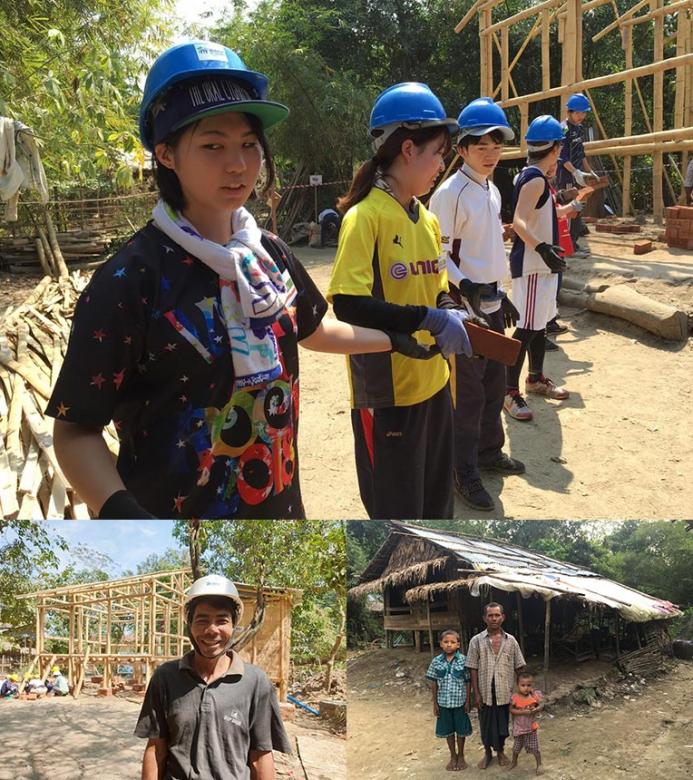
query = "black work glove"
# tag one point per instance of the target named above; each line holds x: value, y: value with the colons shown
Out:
x: 510, y: 314
x: 407, y: 345
x: 472, y: 293
x: 552, y: 256
x: 122, y: 505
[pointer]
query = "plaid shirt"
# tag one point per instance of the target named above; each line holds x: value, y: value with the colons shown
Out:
x: 452, y: 677
x: 501, y: 667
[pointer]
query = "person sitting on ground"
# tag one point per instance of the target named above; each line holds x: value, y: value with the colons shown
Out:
x: 210, y: 714
x: 60, y: 684
x: 525, y: 703
x: 9, y: 688
x: 35, y: 685
x: 450, y: 688
x: 329, y: 221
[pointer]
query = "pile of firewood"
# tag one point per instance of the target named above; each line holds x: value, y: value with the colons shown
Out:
x: 33, y: 341
x: 81, y: 249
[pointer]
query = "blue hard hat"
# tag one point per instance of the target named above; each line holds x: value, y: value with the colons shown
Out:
x: 544, y: 129
x: 233, y: 87
x: 409, y: 104
x: 483, y: 116
x: 578, y: 102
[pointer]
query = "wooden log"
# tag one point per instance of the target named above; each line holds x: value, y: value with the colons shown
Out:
x: 8, y: 485
x: 624, y: 302
x: 55, y: 246
x: 31, y: 376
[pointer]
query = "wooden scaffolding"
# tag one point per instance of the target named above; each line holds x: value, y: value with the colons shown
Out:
x: 140, y: 621
x: 561, y: 22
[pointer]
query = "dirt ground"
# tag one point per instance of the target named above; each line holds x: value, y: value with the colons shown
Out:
x: 642, y: 737
x: 88, y: 738
x: 616, y: 448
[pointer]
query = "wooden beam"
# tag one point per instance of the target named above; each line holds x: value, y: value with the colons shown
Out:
x: 476, y: 5
x: 505, y: 71
x: 601, y: 81
x: 658, y: 116
x: 681, y: 134
x: 634, y: 150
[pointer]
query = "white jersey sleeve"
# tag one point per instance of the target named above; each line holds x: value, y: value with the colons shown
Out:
x: 448, y: 207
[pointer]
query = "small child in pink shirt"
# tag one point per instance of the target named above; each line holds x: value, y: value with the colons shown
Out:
x: 524, y: 705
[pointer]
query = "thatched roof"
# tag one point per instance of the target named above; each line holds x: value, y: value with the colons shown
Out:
x: 416, y: 572
x: 409, y: 554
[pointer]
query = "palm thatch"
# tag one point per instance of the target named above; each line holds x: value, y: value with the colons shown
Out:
x: 413, y: 573
x: 423, y: 592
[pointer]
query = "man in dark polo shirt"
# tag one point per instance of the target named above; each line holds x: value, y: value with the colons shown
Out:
x: 209, y: 715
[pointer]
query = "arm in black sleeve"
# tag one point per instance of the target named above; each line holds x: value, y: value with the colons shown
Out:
x: 371, y: 313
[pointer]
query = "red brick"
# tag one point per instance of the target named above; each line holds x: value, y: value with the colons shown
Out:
x: 685, y: 212
x: 642, y: 247
x: 590, y: 220
x: 672, y: 212
x: 689, y: 243
x: 104, y: 692
x: 672, y: 234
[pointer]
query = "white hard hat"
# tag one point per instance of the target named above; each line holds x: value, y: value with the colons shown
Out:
x: 215, y: 585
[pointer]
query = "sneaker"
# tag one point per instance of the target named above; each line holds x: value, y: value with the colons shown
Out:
x: 516, y: 406
x: 504, y: 464
x: 474, y: 494
x: 554, y: 326
x: 544, y: 386
x: 581, y: 251
x: 550, y: 346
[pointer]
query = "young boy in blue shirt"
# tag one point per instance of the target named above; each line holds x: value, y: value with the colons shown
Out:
x: 451, y: 680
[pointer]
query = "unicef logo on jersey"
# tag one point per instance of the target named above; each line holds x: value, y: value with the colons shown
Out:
x: 398, y: 271
x: 420, y: 267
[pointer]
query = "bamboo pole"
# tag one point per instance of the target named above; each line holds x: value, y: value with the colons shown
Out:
x: 520, y: 621
x: 634, y: 150
x: 601, y: 81
x: 681, y: 134
x: 659, y: 13
x: 82, y: 672
x: 547, y: 645
x: 526, y: 14
x: 545, y: 50
x: 476, y: 6
x: 530, y: 37
x: 630, y: 12
x: 488, y: 43
x: 578, y: 39
x: 627, y: 39
x: 680, y: 97
x: 505, y: 72
x: 524, y: 124
x: 483, y: 54
x: 658, y: 112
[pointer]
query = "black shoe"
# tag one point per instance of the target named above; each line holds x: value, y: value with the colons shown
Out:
x: 554, y: 326
x: 504, y: 464
x: 474, y: 494
x: 549, y: 345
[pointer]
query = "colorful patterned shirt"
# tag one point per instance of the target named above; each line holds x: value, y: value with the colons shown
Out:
x: 149, y: 349
x: 490, y: 667
x: 452, y: 677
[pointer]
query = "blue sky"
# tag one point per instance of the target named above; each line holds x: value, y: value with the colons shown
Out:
x: 127, y: 542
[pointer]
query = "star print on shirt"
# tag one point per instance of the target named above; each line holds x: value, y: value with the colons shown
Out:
x: 187, y: 261
x: 184, y: 378
x: 99, y: 335
x: 120, y: 273
x: 178, y: 503
x: 98, y: 380
x: 118, y: 378
x: 62, y: 409
x: 170, y: 347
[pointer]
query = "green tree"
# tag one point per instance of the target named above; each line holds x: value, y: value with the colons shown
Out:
x: 71, y: 69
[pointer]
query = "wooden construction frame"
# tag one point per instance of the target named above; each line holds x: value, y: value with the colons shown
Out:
x: 140, y: 621
x: 566, y: 18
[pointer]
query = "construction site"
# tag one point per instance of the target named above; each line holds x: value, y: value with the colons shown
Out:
x: 627, y: 304
x: 108, y: 638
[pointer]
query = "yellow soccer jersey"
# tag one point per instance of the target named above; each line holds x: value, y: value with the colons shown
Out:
x: 388, y: 254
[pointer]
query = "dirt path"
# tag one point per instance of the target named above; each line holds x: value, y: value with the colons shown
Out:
x: 617, y: 447
x: 645, y: 737
x: 64, y: 739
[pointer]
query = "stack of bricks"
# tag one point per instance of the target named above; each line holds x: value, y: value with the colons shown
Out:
x: 619, y: 228
x: 679, y: 227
